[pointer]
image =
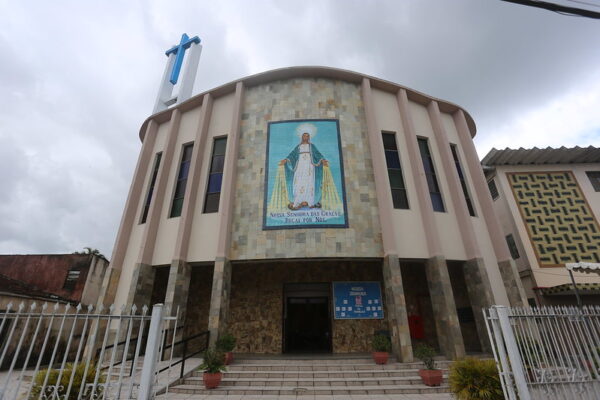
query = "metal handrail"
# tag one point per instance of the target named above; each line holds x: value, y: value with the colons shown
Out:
x: 184, y: 355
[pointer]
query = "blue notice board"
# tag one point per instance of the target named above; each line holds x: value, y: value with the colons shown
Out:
x: 357, y: 300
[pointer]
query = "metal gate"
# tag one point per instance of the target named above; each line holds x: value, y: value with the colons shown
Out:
x: 64, y: 352
x: 548, y: 352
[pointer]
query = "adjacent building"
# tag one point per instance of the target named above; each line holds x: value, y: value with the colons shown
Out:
x: 548, y: 202
x: 305, y: 209
x: 65, y: 278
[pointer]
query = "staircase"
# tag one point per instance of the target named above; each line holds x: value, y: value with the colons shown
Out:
x: 328, y: 376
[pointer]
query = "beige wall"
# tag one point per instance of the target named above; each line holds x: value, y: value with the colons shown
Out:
x: 167, y: 228
x: 203, y: 237
x: 508, y: 212
x: 408, y: 227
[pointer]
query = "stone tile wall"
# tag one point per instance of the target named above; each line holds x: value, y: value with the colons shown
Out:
x: 304, y: 98
x: 256, y: 303
x: 198, y: 301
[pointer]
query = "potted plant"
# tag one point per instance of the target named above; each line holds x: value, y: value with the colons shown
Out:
x: 213, y: 363
x: 430, y: 375
x: 226, y: 344
x: 381, y: 349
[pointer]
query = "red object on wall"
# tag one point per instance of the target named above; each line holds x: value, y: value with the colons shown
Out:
x: 415, y: 326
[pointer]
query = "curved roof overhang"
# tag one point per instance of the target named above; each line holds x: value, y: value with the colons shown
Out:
x: 307, y: 72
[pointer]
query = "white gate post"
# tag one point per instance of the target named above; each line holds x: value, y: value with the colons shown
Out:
x: 513, y: 352
x: 151, y: 355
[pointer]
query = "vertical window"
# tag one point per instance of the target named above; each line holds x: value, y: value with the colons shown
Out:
x: 493, y: 189
x: 434, y: 187
x: 394, y: 171
x: 512, y: 246
x: 215, y: 177
x: 151, y: 187
x: 594, y: 177
x: 71, y: 280
x: 184, y: 169
x: 463, y: 181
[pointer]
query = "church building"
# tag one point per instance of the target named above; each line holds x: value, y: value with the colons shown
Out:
x: 306, y: 209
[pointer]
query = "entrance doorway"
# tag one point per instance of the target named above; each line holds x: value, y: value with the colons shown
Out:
x: 307, y: 318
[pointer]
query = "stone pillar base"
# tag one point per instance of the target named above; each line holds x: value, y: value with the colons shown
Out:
x: 480, y: 295
x: 219, y: 300
x: 142, y: 283
x: 178, y: 288
x: 444, y: 308
x: 396, y: 309
x: 512, y: 283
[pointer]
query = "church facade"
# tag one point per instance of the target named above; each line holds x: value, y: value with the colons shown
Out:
x: 306, y: 209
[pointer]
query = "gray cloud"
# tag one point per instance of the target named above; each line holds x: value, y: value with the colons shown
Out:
x: 79, y: 78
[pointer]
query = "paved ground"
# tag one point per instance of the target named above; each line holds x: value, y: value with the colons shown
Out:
x: 438, y: 396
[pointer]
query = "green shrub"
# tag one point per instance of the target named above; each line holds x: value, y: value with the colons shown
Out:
x: 531, y: 352
x: 474, y: 379
x: 213, y: 361
x: 226, y: 342
x: 38, y: 382
x: 425, y: 353
x: 382, y: 343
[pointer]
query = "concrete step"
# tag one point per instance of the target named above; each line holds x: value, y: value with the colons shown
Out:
x: 306, y: 367
x: 311, y: 382
x: 367, y: 373
x: 310, y: 390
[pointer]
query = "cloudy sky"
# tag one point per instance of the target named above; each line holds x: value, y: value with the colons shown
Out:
x: 77, y: 79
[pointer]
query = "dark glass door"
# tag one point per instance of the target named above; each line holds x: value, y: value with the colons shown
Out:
x: 307, y: 325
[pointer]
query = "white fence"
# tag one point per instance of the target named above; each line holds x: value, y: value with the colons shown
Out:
x: 71, y: 353
x: 547, y: 353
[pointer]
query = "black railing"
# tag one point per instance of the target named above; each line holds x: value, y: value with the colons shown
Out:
x: 131, y: 341
x: 184, y: 351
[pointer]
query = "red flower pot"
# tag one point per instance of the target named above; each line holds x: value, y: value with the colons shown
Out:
x: 380, y: 357
x: 211, y: 381
x: 228, y: 357
x: 431, y: 377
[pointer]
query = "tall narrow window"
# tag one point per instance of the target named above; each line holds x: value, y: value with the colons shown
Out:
x: 215, y: 177
x: 394, y: 170
x: 463, y: 181
x: 434, y: 188
x: 594, y: 177
x: 151, y: 187
x: 493, y: 189
x: 184, y: 169
x: 512, y: 246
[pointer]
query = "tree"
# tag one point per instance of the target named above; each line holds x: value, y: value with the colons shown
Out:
x: 91, y: 252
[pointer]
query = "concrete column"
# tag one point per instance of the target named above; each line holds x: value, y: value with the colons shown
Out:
x: 178, y: 288
x: 444, y: 309
x: 480, y: 296
x: 221, y: 287
x: 180, y: 271
x: 219, y: 299
x: 512, y: 282
x: 510, y: 274
x: 392, y: 277
x: 396, y: 309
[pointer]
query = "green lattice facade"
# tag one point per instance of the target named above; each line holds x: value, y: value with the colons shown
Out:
x: 559, y: 221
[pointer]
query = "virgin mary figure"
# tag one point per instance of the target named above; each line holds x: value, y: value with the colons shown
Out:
x: 304, y: 174
x: 304, y: 178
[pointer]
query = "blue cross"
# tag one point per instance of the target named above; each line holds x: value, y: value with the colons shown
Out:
x: 179, y: 50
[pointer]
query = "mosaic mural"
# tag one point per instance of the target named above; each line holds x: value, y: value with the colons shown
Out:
x: 305, y: 176
x: 560, y: 223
